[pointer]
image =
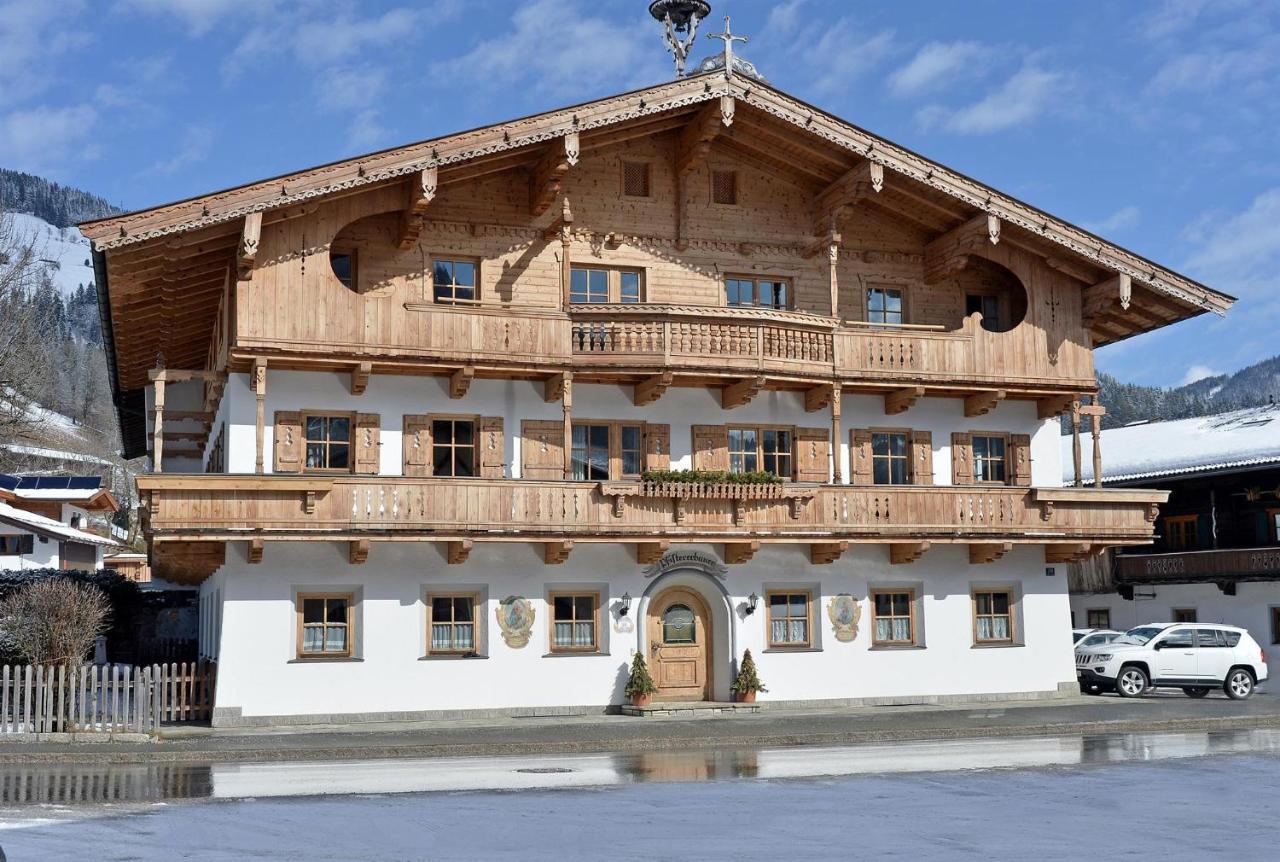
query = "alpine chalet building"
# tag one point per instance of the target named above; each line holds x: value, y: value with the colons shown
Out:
x: 458, y: 427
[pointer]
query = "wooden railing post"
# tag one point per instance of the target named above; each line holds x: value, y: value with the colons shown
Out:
x: 157, y: 440
x: 1095, y: 418
x: 566, y: 400
x: 260, y: 395
x: 1075, y: 440
x: 836, y: 473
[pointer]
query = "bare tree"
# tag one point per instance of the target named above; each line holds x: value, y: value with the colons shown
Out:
x: 24, y: 361
x: 54, y: 620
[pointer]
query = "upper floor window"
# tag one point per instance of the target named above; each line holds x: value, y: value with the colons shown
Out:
x: 343, y: 264
x: 890, y: 461
x: 760, y: 449
x: 328, y: 439
x: 724, y: 187
x: 635, y: 179
x: 453, y: 447
x: 589, y: 285
x: 757, y: 292
x: 989, y: 458
x: 1180, y: 532
x: 606, y: 450
x: 990, y: 307
x: 884, y: 305
x: 454, y: 281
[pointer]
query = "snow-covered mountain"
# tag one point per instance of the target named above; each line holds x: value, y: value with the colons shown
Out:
x: 63, y: 251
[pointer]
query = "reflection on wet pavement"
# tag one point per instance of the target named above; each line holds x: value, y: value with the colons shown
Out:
x: 73, y: 784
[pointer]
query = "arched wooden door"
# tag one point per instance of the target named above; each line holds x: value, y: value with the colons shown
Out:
x: 679, y: 630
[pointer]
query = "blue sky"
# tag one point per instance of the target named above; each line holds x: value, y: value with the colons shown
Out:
x: 1155, y: 124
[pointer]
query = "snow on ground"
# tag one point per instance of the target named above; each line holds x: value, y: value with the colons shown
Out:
x: 65, y: 252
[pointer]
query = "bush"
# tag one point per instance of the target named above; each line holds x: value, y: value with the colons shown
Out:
x: 639, y: 683
x: 748, y: 680
x: 711, y: 477
x: 123, y: 596
x: 54, y: 620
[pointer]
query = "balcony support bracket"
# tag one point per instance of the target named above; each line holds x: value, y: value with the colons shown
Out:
x: 982, y: 403
x: 902, y: 400
x: 982, y: 554
x: 741, y: 393
x: 901, y: 553
x: 736, y: 553
x: 460, y: 381
x: 824, y: 553
x: 652, y: 388
x: 459, y: 551
x: 555, y: 553
x: 648, y: 553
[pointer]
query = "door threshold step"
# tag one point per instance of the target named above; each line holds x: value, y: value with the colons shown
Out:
x: 688, y: 709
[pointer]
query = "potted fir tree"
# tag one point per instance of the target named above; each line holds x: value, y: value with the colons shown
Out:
x: 640, y: 686
x: 747, y: 683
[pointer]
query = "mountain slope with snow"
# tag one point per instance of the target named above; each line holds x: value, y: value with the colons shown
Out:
x: 63, y: 252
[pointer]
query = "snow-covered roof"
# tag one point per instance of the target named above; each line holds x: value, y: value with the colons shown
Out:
x: 1224, y: 441
x: 49, y: 528
x: 84, y: 490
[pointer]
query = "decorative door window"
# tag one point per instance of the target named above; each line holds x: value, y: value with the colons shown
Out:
x: 760, y: 449
x: 788, y: 619
x: 757, y: 293
x: 328, y: 440
x: 894, y: 620
x: 993, y: 616
x: 454, y: 281
x: 884, y: 305
x: 324, y: 625
x: 989, y: 458
x: 453, y: 447
x: 679, y: 626
x: 573, y: 622
x: 452, y: 624
x: 890, y: 458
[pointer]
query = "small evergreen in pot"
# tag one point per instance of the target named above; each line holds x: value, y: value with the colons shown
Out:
x: 640, y: 686
x: 747, y: 683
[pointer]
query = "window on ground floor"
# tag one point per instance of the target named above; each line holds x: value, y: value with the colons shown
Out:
x: 893, y: 617
x: 992, y: 616
x: 1275, y: 625
x: 1185, y: 615
x: 451, y: 624
x: 324, y: 625
x: 574, y: 625
x: 1099, y: 618
x: 789, y: 619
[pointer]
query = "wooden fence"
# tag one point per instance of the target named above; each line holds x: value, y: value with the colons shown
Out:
x: 105, y: 698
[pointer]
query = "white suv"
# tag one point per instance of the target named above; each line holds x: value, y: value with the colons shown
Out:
x: 1195, y: 657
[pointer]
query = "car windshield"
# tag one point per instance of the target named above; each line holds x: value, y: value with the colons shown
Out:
x: 1140, y: 635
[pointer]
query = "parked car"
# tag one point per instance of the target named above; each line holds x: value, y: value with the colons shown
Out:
x: 1195, y: 657
x: 1093, y: 637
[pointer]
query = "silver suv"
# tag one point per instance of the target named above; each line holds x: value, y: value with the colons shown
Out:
x: 1195, y: 657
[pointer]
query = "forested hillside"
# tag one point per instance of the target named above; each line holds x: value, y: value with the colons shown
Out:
x: 59, y: 205
x: 1249, y: 387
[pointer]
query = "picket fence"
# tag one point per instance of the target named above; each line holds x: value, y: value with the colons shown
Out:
x: 106, y: 698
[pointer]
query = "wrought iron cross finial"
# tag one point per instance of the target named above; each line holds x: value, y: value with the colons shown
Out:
x: 728, y: 38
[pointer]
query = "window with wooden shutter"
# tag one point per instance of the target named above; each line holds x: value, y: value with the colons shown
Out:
x: 710, y: 447
x: 657, y: 446
x: 542, y: 449
x: 961, y: 458
x: 813, y: 455
x: 288, y: 442
x: 921, y: 458
x: 860, y: 456
x: 1020, y: 459
x: 368, y: 443
x: 492, y: 447
x: 416, y: 446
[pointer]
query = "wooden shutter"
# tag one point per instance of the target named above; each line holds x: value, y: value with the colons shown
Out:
x: 367, y: 443
x: 288, y: 442
x: 657, y: 446
x: 542, y: 449
x: 961, y: 458
x: 492, y: 447
x: 710, y: 447
x: 860, y: 456
x: 1019, y: 469
x: 416, y: 445
x: 813, y: 455
x: 921, y: 458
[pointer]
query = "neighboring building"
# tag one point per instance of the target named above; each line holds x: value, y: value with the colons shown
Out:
x: 43, y: 521
x: 1216, y: 556
x: 406, y: 428
x: 129, y: 564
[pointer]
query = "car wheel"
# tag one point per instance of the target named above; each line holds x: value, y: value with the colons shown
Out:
x: 1132, y: 681
x: 1239, y: 684
x: 1196, y: 691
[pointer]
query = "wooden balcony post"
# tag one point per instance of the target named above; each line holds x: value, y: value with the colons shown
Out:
x: 1095, y: 418
x: 157, y: 442
x: 833, y: 258
x: 260, y: 394
x: 836, y: 473
x: 566, y: 399
x: 566, y: 265
x: 1075, y: 439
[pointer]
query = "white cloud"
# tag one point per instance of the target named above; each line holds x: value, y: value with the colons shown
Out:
x: 196, y: 143
x: 42, y: 139
x: 1016, y: 102
x: 1197, y: 372
x: 1240, y: 254
x: 784, y: 18
x: 839, y: 58
x: 937, y: 64
x: 366, y: 132
x: 1210, y: 71
x: 32, y: 35
x: 1122, y: 219
x: 200, y: 16
x: 348, y: 89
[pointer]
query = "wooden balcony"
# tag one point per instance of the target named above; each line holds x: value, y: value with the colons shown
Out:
x: 1221, y: 566
x: 217, y: 508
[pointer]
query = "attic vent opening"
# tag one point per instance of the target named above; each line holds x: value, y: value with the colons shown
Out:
x: 724, y: 187
x: 635, y: 179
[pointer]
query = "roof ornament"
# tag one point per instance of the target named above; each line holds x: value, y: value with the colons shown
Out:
x: 729, y: 39
x: 680, y: 19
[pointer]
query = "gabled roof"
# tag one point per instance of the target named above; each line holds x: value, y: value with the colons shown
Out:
x: 83, y: 491
x: 49, y: 528
x: 1238, y: 440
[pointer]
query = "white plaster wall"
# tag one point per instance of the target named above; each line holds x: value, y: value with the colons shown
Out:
x: 1250, y: 607
x: 258, y: 672
x: 44, y: 552
x: 392, y: 396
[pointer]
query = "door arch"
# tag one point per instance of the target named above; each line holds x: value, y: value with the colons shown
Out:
x: 678, y: 627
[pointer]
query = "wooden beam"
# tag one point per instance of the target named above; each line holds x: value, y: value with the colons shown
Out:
x: 988, y: 553
x: 982, y: 403
x: 555, y: 553
x: 186, y: 436
x: 1114, y: 294
x: 651, y: 552
x: 548, y: 175
x: 360, y: 377
x: 695, y: 140
x: 906, y: 552
x: 1072, y: 553
x: 902, y: 400
x: 460, y: 381
x: 740, y: 393
x: 247, y: 250
x: 357, y: 551
x: 740, y: 552
x: 949, y: 253
x: 852, y: 186
x: 419, y: 194
x: 255, y: 551
x: 1048, y: 408
x: 652, y: 388
x: 823, y: 553
x: 818, y: 397
x: 459, y: 551
x: 553, y: 387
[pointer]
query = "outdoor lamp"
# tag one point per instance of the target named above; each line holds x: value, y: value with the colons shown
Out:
x: 752, y: 601
x: 626, y: 604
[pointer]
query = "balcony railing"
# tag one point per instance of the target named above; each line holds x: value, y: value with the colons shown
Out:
x: 1186, y: 566
x: 226, y: 507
